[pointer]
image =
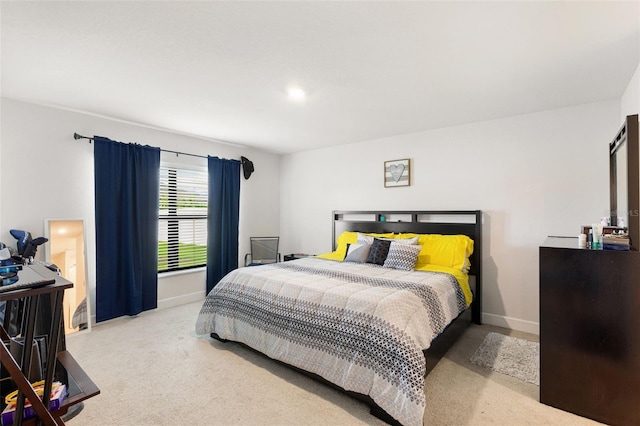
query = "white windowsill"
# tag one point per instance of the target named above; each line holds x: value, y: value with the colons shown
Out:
x: 182, y: 272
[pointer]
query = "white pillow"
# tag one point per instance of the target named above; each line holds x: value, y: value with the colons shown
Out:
x: 364, y: 239
x: 402, y: 256
x: 406, y: 241
x: 357, y: 253
x: 368, y: 239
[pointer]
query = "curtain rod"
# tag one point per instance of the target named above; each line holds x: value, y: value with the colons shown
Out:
x: 78, y: 136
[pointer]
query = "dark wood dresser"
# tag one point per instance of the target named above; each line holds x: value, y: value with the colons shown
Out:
x: 590, y: 331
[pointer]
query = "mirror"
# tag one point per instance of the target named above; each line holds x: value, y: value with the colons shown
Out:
x: 622, y: 219
x: 619, y: 199
x: 624, y: 180
x: 66, y: 249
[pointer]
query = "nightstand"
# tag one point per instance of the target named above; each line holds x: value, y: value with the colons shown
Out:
x: 294, y: 256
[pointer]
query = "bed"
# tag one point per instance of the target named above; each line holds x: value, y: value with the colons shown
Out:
x: 373, y: 328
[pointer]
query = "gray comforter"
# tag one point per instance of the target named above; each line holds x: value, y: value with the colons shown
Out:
x: 360, y: 326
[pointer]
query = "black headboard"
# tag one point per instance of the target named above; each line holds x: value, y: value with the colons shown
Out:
x: 446, y: 222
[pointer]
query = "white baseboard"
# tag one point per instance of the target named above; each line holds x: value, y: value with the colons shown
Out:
x: 162, y: 304
x: 511, y: 323
x: 181, y: 300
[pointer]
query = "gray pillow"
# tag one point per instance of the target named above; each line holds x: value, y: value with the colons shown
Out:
x: 357, y: 253
x: 402, y: 256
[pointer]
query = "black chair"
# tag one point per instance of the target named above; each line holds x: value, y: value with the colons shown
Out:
x: 264, y: 250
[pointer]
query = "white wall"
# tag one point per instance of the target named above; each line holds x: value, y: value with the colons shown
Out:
x: 533, y: 175
x: 630, y: 100
x: 46, y: 174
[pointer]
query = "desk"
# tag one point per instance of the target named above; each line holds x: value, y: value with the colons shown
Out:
x: 59, y: 364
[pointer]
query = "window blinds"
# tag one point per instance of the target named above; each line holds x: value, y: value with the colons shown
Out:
x: 182, y: 224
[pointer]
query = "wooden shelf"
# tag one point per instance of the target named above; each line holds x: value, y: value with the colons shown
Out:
x: 82, y: 387
x: 85, y: 385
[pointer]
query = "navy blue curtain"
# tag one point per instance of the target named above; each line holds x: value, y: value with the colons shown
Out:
x: 127, y: 197
x: 223, y: 219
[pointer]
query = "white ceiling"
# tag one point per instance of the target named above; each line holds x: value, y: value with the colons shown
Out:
x: 220, y: 70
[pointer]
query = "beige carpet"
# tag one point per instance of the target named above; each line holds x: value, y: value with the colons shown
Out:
x: 153, y: 370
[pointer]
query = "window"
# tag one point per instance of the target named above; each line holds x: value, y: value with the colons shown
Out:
x: 182, y: 224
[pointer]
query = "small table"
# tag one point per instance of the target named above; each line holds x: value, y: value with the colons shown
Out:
x: 294, y: 256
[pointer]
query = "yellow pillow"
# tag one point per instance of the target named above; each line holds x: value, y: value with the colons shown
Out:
x: 452, y: 251
x: 347, y: 237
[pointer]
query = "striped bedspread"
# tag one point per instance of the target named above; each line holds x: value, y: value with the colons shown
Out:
x: 360, y: 326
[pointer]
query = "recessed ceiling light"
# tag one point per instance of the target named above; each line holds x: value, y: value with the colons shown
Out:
x: 296, y: 94
x: 62, y: 231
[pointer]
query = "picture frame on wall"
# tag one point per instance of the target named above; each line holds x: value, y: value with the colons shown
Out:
x: 397, y: 173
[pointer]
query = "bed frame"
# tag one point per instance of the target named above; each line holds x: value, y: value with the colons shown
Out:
x: 449, y: 222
